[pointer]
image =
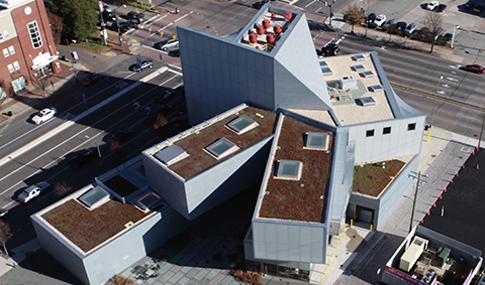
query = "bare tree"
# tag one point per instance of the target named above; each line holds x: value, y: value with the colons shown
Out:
x: 160, y: 121
x: 354, y: 16
x: 60, y: 189
x: 433, y: 22
x: 42, y: 84
x: 5, y: 235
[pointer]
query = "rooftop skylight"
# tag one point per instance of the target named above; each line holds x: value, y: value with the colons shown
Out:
x: 289, y: 170
x: 221, y: 148
x: 171, y: 154
x: 94, y: 197
x: 318, y: 141
x: 367, y: 74
x: 358, y: 57
x: 376, y: 88
x: 365, y: 101
x: 148, y: 200
x: 358, y: 68
x: 242, y: 124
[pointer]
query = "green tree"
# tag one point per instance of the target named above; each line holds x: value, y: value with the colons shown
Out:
x: 354, y: 16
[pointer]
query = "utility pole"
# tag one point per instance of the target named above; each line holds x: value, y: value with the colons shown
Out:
x: 432, y: 111
x: 367, y: 18
x: 418, y: 177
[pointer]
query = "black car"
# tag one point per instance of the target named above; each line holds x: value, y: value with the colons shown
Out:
x: 135, y: 16
x: 440, y: 8
x: 330, y: 49
x: 371, y: 18
x: 83, y: 156
x: 260, y: 4
x: 174, y: 53
x: 109, y: 16
x: 124, y: 27
x: 401, y: 25
x: 446, y: 37
x: 121, y: 136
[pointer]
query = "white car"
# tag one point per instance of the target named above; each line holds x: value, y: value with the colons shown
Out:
x: 432, y: 5
x: 44, y: 115
x: 167, y: 44
x: 410, y: 28
x: 381, y: 19
x: 33, y: 191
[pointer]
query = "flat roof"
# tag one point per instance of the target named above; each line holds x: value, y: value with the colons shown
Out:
x: 463, y: 205
x: 302, y: 199
x: 372, y: 179
x: 86, y: 228
x: 346, y: 101
x: 198, y: 139
x: 120, y: 185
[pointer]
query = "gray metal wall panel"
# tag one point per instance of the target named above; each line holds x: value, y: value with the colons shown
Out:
x: 400, y: 142
x: 395, y: 192
x: 162, y: 179
x: 60, y: 250
x: 271, y: 241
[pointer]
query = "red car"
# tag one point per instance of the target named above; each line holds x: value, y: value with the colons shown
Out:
x: 475, y: 68
x: 91, y: 79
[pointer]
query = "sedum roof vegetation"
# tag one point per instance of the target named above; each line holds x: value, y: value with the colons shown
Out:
x: 298, y: 200
x: 88, y: 229
x: 372, y: 179
x: 199, y: 160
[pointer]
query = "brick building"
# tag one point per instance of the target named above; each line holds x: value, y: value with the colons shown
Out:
x: 28, y: 51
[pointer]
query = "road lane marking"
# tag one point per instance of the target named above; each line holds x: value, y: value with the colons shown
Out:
x: 310, y: 3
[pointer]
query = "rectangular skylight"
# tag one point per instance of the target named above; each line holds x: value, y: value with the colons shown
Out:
x: 318, y: 141
x: 323, y: 63
x: 358, y: 57
x: 358, y: 68
x: 170, y: 154
x: 365, y: 101
x: 221, y: 148
x: 94, y: 197
x: 367, y: 74
x: 242, y: 124
x: 148, y: 200
x: 326, y: 70
x: 376, y: 88
x: 289, y: 170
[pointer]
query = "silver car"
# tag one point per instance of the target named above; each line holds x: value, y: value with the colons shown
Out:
x: 33, y: 191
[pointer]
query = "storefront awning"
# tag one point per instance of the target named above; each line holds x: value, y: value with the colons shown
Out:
x: 42, y: 60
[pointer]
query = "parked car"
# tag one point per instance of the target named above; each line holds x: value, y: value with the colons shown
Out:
x: 44, y: 115
x: 92, y: 79
x: 133, y: 23
x: 3, y: 212
x: 144, y: 65
x: 446, y: 37
x: 83, y: 156
x: 475, y: 68
x: 401, y: 25
x: 136, y: 16
x: 260, y: 4
x: 381, y: 19
x: 371, y: 18
x: 440, y: 8
x: 410, y: 28
x: 330, y: 49
x: 432, y: 5
x: 121, y: 136
x: 33, y: 191
x: 108, y: 16
x: 124, y: 27
x: 174, y: 53
x: 390, y: 22
x: 166, y: 44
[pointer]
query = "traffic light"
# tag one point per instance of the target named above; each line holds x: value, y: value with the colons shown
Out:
x: 326, y: 3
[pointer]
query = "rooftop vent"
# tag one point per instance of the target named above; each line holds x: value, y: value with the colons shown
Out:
x: 376, y: 88
x: 266, y: 24
x: 365, y: 101
x: 253, y: 38
x: 358, y: 68
x: 170, y: 154
x: 288, y: 15
x: 347, y: 82
x: 222, y: 148
x: 94, y: 198
x: 242, y: 124
x: 316, y: 141
x: 289, y: 170
x: 367, y: 74
x: 358, y: 57
x: 277, y: 29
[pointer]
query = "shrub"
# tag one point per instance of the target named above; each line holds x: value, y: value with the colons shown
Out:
x: 408, y: 34
x: 254, y: 278
x: 385, y: 29
x: 398, y: 32
x: 372, y: 25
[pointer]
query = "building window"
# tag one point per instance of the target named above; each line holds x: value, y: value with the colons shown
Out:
x: 10, y: 68
x: 34, y: 34
x: 11, y: 50
x: 5, y: 52
x: 411, y: 127
x: 19, y: 84
x: 386, y: 131
x: 1, y: 36
x: 6, y: 34
x: 370, y: 133
x: 16, y: 65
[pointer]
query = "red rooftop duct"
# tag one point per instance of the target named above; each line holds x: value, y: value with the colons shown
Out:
x: 277, y: 29
x: 273, y: 15
x: 270, y: 38
x: 266, y: 24
x: 260, y: 30
x: 288, y: 15
x: 253, y: 38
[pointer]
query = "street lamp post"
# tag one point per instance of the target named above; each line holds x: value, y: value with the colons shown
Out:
x: 453, y: 37
x: 432, y: 111
x: 366, y: 19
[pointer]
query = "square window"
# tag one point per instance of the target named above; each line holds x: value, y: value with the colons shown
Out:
x: 11, y: 50
x: 221, y: 148
x: 242, y: 124
x: 411, y: 127
x: 6, y: 53
x: 1, y: 36
x: 6, y: 34
x: 10, y: 68
x: 386, y: 131
x: 370, y: 133
x: 289, y: 169
x: 316, y: 141
x: 16, y: 65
